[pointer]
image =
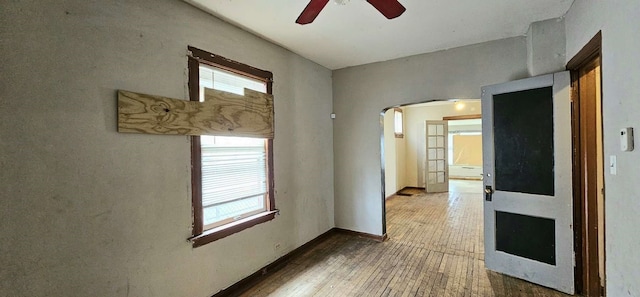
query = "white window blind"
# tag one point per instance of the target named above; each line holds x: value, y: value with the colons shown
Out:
x: 234, y: 169
x: 223, y: 80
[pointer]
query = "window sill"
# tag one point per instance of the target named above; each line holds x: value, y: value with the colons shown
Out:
x: 214, y: 234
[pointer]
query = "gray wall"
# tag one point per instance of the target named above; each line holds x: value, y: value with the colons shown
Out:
x: 86, y: 211
x: 619, y: 23
x: 546, y: 47
x: 361, y: 92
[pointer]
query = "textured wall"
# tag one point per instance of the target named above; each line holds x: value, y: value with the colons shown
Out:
x: 619, y: 23
x: 361, y: 92
x: 86, y: 211
x: 546, y: 47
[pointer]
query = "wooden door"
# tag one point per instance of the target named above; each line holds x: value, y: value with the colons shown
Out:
x: 528, y: 207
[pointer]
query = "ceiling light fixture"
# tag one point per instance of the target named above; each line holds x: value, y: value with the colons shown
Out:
x: 459, y: 105
x: 341, y: 2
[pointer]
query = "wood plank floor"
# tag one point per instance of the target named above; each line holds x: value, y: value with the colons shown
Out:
x: 434, y: 249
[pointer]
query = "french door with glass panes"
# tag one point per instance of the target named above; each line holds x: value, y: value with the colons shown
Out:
x: 436, y: 167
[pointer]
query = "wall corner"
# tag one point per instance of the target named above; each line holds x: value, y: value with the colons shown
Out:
x: 546, y: 46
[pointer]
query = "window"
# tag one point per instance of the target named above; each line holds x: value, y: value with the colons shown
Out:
x: 452, y: 143
x: 232, y: 177
x: 397, y: 122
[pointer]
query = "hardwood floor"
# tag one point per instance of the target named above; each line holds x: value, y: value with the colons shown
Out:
x: 434, y: 249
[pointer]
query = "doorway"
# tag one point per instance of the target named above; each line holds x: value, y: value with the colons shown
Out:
x: 588, y: 168
x: 406, y: 158
x: 403, y: 142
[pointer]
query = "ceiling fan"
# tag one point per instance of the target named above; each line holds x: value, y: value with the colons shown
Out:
x: 389, y: 8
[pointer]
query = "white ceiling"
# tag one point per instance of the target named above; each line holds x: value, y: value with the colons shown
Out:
x: 356, y: 33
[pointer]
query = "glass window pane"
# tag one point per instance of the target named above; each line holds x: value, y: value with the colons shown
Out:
x: 234, y: 169
x: 440, y: 177
x: 432, y: 178
x: 397, y: 122
x: 440, y: 129
x: 234, y: 179
x: 432, y: 154
x: 432, y: 142
x: 218, y: 212
x: 432, y: 166
x: 432, y: 129
x: 440, y: 166
x: 215, y: 78
x: 440, y: 141
x: 440, y: 154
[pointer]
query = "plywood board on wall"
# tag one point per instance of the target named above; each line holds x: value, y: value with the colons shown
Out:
x: 222, y: 114
x: 467, y: 150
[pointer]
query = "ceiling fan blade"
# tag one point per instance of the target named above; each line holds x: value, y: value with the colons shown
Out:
x: 389, y: 8
x: 311, y: 11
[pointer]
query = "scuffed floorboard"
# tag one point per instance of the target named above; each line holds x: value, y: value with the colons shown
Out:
x: 434, y: 249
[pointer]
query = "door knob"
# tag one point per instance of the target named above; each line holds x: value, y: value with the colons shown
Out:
x: 488, y: 193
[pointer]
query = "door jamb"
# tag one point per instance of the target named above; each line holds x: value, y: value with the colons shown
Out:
x: 587, y: 279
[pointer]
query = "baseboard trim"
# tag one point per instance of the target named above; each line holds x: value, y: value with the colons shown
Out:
x: 251, y: 280
x: 379, y: 238
x: 405, y: 188
x: 391, y: 196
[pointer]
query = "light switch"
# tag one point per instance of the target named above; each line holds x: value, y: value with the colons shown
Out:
x: 613, y: 166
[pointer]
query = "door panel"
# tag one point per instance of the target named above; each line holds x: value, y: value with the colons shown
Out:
x: 518, y: 169
x: 528, y: 220
x: 437, y: 166
x: 526, y: 236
